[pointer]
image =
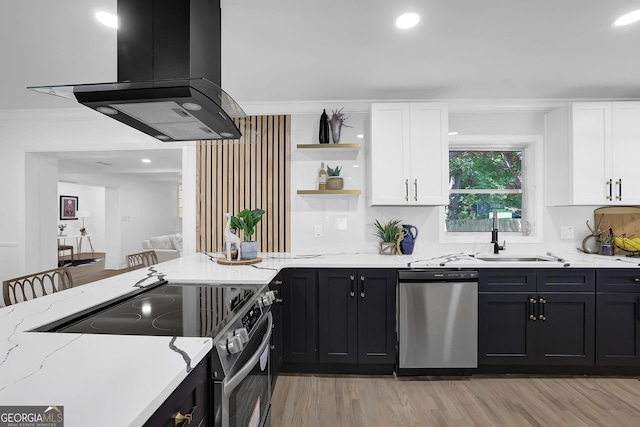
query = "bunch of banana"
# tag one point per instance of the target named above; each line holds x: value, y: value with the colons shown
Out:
x: 631, y: 245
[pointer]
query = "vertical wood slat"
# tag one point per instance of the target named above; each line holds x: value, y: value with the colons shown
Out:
x: 239, y: 174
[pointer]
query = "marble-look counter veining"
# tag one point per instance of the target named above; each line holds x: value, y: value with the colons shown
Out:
x: 107, y: 380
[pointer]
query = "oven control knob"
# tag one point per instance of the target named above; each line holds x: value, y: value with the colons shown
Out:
x: 233, y: 345
x: 268, y: 298
x: 242, y: 334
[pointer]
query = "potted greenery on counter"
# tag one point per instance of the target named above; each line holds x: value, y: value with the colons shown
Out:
x: 605, y: 247
x: 389, y: 234
x: 246, y: 221
x: 334, y: 180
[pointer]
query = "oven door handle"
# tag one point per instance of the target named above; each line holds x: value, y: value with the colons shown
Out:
x: 231, y: 383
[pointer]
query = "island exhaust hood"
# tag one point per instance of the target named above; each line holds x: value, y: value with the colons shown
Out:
x: 168, y: 73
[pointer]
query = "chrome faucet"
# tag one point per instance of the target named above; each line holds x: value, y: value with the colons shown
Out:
x: 494, y: 235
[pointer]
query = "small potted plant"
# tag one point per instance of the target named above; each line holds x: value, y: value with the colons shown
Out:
x: 246, y: 221
x: 388, y: 233
x: 334, y: 180
x: 61, y: 227
x: 605, y: 247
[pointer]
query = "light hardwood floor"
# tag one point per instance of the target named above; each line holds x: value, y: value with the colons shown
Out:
x: 510, y: 401
x: 83, y: 274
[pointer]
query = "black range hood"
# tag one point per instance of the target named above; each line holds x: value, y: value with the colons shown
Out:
x: 168, y: 73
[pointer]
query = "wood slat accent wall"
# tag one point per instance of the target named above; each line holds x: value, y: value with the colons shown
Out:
x: 238, y: 174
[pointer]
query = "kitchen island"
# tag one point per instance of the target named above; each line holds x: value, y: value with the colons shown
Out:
x: 106, y: 380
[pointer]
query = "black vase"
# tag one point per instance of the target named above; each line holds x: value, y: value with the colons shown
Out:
x: 323, y: 136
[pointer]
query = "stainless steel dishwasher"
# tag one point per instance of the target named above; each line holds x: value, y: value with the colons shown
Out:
x: 437, y: 319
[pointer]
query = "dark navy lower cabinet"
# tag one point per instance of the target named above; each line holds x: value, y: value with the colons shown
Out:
x: 191, y: 401
x: 505, y: 330
x: 618, y: 318
x: 520, y: 325
x: 356, y: 316
x: 299, y: 316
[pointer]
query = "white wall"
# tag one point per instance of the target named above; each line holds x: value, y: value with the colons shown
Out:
x: 347, y: 220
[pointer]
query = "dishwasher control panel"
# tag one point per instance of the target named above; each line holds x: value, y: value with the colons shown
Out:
x: 437, y: 275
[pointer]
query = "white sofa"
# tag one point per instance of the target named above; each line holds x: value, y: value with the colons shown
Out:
x: 166, y: 247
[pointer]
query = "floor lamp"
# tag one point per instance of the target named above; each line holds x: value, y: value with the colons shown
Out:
x: 83, y: 231
x: 83, y: 215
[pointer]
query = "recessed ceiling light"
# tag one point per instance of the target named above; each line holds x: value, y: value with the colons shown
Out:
x: 108, y: 19
x: 408, y: 20
x: 453, y: 133
x: 628, y: 18
x: 146, y: 160
x: 191, y: 106
x: 360, y: 136
x: 107, y: 110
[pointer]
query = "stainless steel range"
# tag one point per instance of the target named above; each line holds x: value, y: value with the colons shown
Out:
x: 238, y: 319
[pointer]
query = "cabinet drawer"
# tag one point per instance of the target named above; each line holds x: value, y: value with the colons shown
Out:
x: 507, y: 280
x: 618, y: 280
x: 566, y: 280
x: 191, y: 397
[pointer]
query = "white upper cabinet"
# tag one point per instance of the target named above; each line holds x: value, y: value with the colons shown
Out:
x: 626, y: 153
x: 409, y: 154
x: 591, y: 152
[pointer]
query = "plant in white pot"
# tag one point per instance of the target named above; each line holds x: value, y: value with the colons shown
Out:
x: 334, y: 180
x: 246, y: 221
x: 389, y: 234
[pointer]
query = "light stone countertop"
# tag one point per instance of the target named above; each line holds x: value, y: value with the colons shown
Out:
x: 107, y: 380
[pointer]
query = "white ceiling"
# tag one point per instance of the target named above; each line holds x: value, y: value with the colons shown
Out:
x: 164, y: 165
x: 292, y: 50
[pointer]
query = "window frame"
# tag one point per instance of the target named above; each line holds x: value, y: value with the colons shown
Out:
x: 532, y: 187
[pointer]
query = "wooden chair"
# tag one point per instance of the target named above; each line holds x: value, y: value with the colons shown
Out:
x: 141, y: 260
x: 36, y: 285
x: 62, y: 249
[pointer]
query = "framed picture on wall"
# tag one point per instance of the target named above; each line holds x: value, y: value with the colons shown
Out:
x: 68, y: 207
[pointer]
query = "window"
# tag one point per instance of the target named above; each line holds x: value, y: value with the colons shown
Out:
x: 482, y: 183
x: 490, y: 174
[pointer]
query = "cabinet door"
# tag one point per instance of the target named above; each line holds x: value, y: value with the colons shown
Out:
x: 626, y: 150
x: 566, y: 328
x: 376, y: 296
x: 390, y: 154
x: 337, y: 316
x: 592, y: 162
x: 506, y: 328
x: 429, y: 154
x: 299, y: 316
x: 617, y: 329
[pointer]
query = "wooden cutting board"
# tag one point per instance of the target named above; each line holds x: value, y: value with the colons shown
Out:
x: 623, y: 220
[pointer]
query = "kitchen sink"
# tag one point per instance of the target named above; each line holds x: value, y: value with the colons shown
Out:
x: 514, y: 258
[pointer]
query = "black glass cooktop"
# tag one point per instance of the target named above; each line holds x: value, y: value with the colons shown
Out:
x: 167, y: 309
